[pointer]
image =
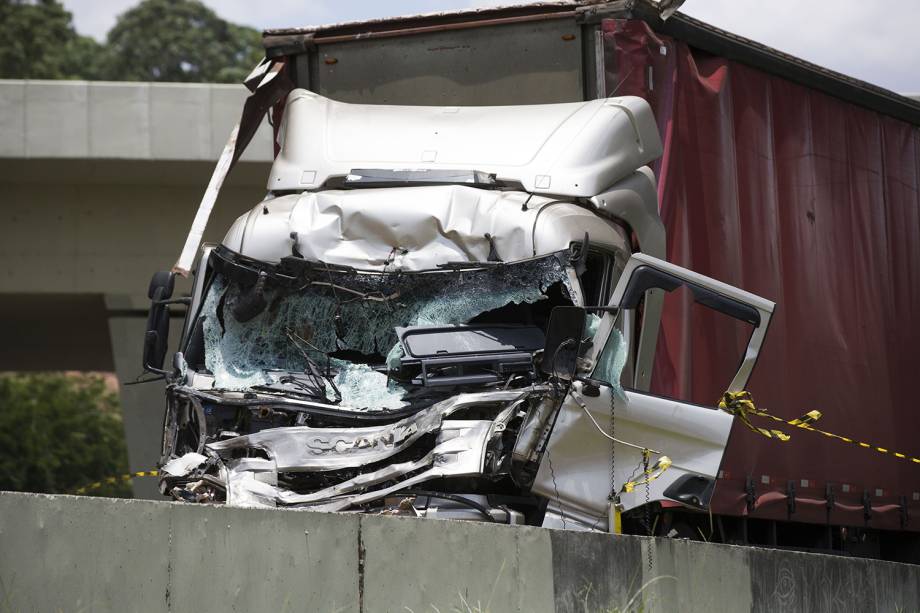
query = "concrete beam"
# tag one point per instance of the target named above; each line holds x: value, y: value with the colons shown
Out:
x: 99, y: 183
x: 124, y: 121
x: 72, y: 553
x: 142, y: 406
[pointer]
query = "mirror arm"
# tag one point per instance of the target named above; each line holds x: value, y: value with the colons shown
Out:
x: 153, y: 369
x: 590, y: 387
x: 187, y: 300
x: 142, y: 381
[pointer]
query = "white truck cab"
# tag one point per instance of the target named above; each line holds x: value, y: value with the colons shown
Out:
x: 443, y: 312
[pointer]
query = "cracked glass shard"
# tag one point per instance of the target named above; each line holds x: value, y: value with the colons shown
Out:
x: 362, y: 386
x: 346, y: 311
x: 611, y: 361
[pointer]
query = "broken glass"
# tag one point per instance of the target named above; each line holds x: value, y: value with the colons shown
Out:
x: 362, y: 386
x: 612, y: 359
x: 347, y: 311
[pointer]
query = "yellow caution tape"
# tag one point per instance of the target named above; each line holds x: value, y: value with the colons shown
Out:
x: 116, y: 479
x: 741, y: 404
x: 617, y: 517
x: 655, y: 471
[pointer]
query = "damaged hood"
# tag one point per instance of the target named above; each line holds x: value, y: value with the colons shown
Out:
x: 387, y: 229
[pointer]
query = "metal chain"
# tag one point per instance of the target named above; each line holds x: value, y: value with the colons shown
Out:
x: 552, y: 474
x: 614, y: 497
x: 648, y: 507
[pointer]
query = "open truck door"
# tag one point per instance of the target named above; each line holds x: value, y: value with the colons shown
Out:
x: 604, y: 417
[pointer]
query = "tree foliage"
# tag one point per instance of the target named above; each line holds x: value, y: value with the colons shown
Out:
x: 157, y: 40
x: 58, y: 433
x: 180, y: 40
x: 38, y: 41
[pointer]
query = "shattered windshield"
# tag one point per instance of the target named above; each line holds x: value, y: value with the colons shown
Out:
x: 342, y: 322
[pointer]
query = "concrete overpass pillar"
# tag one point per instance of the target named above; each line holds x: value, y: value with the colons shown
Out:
x: 99, y: 183
x: 141, y: 405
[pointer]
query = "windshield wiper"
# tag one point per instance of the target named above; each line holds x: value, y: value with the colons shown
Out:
x: 312, y: 372
x: 468, y: 265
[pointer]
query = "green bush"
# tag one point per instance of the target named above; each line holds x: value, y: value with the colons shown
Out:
x: 60, y: 432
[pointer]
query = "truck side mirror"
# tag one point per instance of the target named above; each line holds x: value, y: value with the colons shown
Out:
x: 563, y: 338
x: 156, y: 336
x: 163, y: 281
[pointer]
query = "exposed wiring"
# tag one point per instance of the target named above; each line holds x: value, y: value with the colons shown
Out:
x: 554, y: 381
x: 526, y: 202
x: 460, y: 499
x: 533, y: 231
x: 318, y: 379
x: 335, y: 287
x: 584, y: 408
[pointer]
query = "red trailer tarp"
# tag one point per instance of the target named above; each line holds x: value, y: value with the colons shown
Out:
x: 814, y: 203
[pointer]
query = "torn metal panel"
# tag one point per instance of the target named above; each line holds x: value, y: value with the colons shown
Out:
x: 460, y: 451
x: 309, y: 449
x: 251, y: 482
x: 418, y: 228
x: 184, y: 264
x: 180, y: 467
x: 269, y: 84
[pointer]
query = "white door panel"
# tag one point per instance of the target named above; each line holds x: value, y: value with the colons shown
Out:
x: 693, y: 437
x: 575, y: 471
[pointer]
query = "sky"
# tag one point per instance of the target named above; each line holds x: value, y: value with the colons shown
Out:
x: 877, y: 42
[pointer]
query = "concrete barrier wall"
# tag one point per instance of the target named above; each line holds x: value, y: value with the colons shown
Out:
x: 65, y: 553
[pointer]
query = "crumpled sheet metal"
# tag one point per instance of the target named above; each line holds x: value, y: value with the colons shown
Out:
x: 251, y: 482
x: 459, y: 450
x: 303, y: 448
x: 389, y: 229
x: 413, y: 228
x: 182, y: 466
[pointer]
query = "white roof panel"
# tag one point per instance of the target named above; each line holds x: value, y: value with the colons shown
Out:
x: 571, y: 149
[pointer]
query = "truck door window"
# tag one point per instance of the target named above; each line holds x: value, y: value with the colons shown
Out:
x: 709, y: 343
x: 598, y: 279
x: 690, y: 331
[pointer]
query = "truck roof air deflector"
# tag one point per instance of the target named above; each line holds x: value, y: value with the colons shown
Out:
x: 572, y: 149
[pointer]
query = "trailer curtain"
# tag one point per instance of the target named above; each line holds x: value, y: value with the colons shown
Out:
x: 814, y: 203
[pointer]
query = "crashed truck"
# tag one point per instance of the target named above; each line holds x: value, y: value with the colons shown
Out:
x: 414, y: 321
x: 779, y: 176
